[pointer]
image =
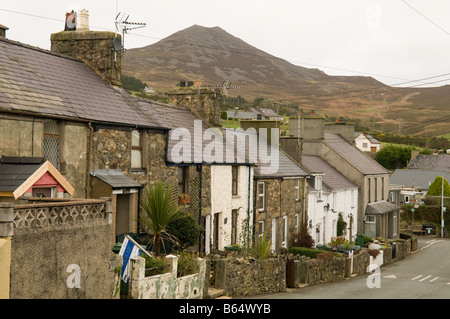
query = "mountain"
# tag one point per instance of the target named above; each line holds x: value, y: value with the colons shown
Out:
x: 212, y: 55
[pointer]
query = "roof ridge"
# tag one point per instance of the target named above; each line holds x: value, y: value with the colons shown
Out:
x: 35, y: 48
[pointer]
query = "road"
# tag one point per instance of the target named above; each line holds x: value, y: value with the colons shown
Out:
x: 425, y: 274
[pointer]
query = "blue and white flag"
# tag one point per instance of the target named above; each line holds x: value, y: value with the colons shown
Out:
x: 128, y: 250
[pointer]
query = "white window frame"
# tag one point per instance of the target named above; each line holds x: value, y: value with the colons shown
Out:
x: 284, y: 231
x: 261, y: 196
x: 297, y: 189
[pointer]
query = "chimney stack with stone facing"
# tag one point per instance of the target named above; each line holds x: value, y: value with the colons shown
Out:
x: 95, y: 48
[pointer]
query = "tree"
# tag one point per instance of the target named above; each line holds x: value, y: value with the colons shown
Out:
x: 159, y: 210
x: 435, y: 188
x: 341, y: 226
x: 394, y: 156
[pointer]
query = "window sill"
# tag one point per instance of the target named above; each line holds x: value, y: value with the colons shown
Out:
x: 138, y: 171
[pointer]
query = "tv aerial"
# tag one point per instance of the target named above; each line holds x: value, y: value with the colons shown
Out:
x: 224, y: 87
x: 123, y: 26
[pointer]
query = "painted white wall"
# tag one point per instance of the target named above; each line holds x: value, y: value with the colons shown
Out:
x: 326, y: 221
x: 360, y: 140
x: 223, y: 202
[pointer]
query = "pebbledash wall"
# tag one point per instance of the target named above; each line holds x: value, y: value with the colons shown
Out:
x: 62, y: 250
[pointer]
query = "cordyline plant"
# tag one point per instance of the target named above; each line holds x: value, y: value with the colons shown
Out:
x: 159, y: 211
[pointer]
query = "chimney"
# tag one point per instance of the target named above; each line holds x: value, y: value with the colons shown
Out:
x: 257, y: 124
x: 100, y: 50
x: 203, y: 102
x: 292, y: 146
x: 310, y: 130
x: 3, y: 30
x: 345, y: 129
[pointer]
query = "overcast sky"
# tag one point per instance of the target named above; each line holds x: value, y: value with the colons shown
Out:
x: 394, y: 41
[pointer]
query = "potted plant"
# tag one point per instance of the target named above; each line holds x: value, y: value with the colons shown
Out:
x: 184, y: 199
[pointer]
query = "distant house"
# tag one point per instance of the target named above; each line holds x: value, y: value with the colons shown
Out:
x: 240, y: 115
x: 366, y: 142
x: 330, y: 194
x: 266, y: 114
x: 430, y: 162
x: 414, y: 183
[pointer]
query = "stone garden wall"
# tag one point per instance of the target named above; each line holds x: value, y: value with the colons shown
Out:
x: 244, y: 277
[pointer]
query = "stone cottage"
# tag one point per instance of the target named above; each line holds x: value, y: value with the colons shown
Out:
x: 64, y: 105
x: 197, y: 147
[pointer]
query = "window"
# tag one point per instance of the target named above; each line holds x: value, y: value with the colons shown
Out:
x: 136, y: 150
x: 296, y: 224
x: 392, y: 197
x: 183, y: 185
x: 407, y: 199
x: 261, y: 195
x: 297, y: 189
x: 368, y: 190
x: 234, y: 179
x: 284, y: 232
x: 51, y: 142
x: 376, y: 189
x: 261, y: 229
x: 370, y: 219
x: 382, y: 188
x: 365, y: 145
x: 234, y: 218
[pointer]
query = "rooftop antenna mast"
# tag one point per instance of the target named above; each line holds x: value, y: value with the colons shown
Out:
x: 224, y: 87
x: 123, y: 25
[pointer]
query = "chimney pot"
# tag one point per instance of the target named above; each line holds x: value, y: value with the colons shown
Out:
x: 3, y: 31
x: 83, y: 20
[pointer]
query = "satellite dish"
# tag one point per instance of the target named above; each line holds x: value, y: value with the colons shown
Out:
x: 117, y: 43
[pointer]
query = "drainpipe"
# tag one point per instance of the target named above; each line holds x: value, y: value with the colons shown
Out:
x: 248, y: 208
x: 88, y: 159
x: 200, y: 168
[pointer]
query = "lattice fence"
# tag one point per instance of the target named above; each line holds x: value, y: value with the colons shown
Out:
x: 29, y: 216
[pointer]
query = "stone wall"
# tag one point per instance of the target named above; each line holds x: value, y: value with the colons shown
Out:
x: 203, y: 102
x: 312, y: 271
x: 243, y: 277
x: 95, y: 48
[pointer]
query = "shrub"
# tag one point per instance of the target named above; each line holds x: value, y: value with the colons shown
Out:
x: 153, y: 265
x: 373, y: 252
x: 186, y: 231
x: 303, y: 238
x: 187, y: 264
x: 261, y: 248
x: 304, y: 251
x: 341, y: 226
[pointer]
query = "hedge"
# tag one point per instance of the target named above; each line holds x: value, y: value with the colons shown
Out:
x: 309, y: 252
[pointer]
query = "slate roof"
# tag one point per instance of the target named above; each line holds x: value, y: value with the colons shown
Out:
x: 287, y: 167
x: 115, y: 178
x: 179, y: 117
x: 14, y: 171
x: 368, y: 136
x: 380, y: 208
x: 421, y: 178
x: 241, y: 115
x: 38, y: 81
x: 361, y: 161
x: 331, y: 178
x: 436, y: 162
